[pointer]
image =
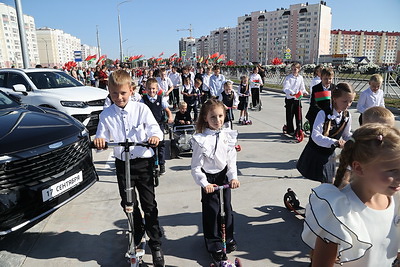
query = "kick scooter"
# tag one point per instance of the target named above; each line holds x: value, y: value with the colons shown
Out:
x: 292, y: 203
x: 134, y: 253
x: 224, y: 263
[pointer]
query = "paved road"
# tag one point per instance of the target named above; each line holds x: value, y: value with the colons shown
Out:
x: 88, y: 231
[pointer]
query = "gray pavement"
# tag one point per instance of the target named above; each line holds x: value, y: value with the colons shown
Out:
x: 89, y: 231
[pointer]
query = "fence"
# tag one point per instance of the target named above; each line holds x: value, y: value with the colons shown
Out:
x: 358, y: 81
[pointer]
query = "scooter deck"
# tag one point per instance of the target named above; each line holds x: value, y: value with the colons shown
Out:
x: 141, y: 248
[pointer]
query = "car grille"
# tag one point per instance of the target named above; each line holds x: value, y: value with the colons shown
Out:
x: 99, y: 102
x: 41, y: 168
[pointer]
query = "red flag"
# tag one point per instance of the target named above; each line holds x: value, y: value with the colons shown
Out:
x: 299, y: 95
x: 102, y: 58
x: 215, y: 55
x: 276, y: 61
x: 91, y: 57
x: 174, y: 55
x: 162, y: 53
x: 230, y: 63
x: 159, y: 59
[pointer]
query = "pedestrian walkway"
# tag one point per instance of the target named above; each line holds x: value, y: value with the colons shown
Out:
x: 89, y: 231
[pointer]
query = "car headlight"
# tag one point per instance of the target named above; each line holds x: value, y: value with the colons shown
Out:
x: 74, y: 104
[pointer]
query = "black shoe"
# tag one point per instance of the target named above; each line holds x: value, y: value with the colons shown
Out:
x: 218, y: 256
x: 162, y: 169
x: 231, y: 246
x: 158, y: 257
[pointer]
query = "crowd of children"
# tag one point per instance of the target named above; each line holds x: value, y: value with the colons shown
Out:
x: 363, y: 187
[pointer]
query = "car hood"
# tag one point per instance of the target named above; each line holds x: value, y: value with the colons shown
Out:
x: 81, y: 93
x: 22, y: 129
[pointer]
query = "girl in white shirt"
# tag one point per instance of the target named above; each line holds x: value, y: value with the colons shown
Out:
x: 214, y: 164
x: 317, y: 77
x: 318, y: 160
x: 359, y: 224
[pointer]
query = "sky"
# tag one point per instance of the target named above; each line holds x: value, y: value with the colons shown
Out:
x: 150, y: 27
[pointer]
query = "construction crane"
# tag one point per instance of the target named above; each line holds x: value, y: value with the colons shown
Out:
x: 190, y: 30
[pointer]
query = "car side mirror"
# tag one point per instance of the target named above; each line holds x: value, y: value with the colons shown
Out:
x: 20, y: 88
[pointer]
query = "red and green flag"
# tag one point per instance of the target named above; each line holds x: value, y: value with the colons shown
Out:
x: 101, y: 59
x: 220, y: 58
x: 162, y: 53
x: 91, y: 58
x: 324, y: 95
x: 299, y: 95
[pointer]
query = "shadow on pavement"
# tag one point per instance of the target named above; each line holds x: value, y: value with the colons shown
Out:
x: 288, y: 165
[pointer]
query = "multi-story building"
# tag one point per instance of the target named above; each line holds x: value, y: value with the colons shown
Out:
x: 10, y: 43
x: 88, y: 50
x: 378, y: 47
x: 187, y: 49
x: 299, y: 33
x: 56, y: 47
x: 203, y: 46
x: 223, y: 40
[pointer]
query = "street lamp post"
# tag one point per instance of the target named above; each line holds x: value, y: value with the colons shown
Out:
x: 47, y: 52
x: 119, y: 30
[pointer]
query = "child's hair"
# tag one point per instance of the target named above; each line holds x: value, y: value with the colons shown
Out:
x: 376, y: 78
x: 119, y: 78
x: 297, y: 65
x: 316, y: 69
x: 150, y: 81
x: 182, y: 104
x: 216, y: 67
x: 186, y: 79
x: 244, y: 78
x: 378, y: 114
x: 163, y: 69
x: 328, y: 71
x: 198, y: 82
x: 227, y: 83
x: 371, y: 143
x: 209, y: 105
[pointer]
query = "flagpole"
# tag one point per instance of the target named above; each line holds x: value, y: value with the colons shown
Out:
x: 98, y: 41
x: 119, y: 30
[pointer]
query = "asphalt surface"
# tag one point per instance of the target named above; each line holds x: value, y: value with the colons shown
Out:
x: 89, y: 230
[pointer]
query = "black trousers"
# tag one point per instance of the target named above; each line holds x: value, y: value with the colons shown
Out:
x: 174, y: 97
x: 194, y: 108
x: 212, y: 214
x: 255, y: 96
x: 142, y: 181
x: 292, y: 110
x: 160, y: 147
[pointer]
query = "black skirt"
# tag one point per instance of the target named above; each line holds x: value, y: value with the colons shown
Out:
x: 243, y: 102
x: 317, y: 165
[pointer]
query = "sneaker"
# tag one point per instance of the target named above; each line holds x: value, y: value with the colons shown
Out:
x: 231, y: 246
x: 218, y: 256
x: 158, y: 257
x: 162, y: 169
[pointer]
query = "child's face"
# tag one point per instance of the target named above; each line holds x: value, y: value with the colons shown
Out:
x: 381, y: 177
x: 375, y: 86
x: 216, y: 72
x: 182, y: 109
x: 228, y: 88
x: 121, y: 94
x: 163, y: 74
x: 295, y: 70
x: 215, y: 118
x: 152, y: 89
x: 244, y: 80
x: 343, y: 102
x: 326, y: 80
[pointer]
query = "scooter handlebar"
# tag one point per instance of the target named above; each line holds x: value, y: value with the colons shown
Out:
x: 221, y: 187
x: 121, y: 144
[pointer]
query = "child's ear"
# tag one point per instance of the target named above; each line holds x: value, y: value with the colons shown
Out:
x: 357, y: 168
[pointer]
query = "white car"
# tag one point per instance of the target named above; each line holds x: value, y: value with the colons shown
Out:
x: 55, y: 89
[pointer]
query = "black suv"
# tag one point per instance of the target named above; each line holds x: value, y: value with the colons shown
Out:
x: 45, y: 161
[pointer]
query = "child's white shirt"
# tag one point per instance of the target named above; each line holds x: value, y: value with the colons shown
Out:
x: 370, y: 99
x: 212, y: 160
x: 365, y: 237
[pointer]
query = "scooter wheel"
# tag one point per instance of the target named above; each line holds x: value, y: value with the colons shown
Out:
x: 284, y: 129
x: 290, y: 200
x: 238, y: 148
x: 299, y: 136
x: 237, y: 262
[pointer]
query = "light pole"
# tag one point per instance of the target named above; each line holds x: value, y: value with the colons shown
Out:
x: 119, y: 30
x: 47, y: 52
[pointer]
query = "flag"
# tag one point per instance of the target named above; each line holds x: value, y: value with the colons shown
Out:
x: 276, y: 61
x: 174, y: 55
x: 159, y: 59
x: 101, y: 59
x: 201, y: 59
x: 215, y: 55
x: 230, y: 63
x: 324, y: 95
x: 91, y: 58
x: 299, y: 95
x: 220, y: 58
x: 162, y: 53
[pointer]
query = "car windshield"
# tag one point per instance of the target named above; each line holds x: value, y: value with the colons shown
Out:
x: 6, y: 102
x: 51, y: 80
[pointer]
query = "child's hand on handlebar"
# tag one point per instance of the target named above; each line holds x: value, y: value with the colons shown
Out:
x: 100, y: 143
x: 153, y: 141
x: 234, y: 183
x: 210, y: 188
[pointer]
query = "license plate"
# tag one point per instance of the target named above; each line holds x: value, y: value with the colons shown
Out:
x: 61, y: 187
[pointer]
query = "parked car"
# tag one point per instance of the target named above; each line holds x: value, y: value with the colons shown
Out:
x: 45, y: 161
x: 55, y: 89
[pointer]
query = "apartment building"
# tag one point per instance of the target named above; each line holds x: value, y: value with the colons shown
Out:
x: 10, y: 43
x: 379, y: 47
x: 187, y: 48
x: 299, y: 33
x: 56, y: 47
x: 203, y: 46
x: 224, y: 40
